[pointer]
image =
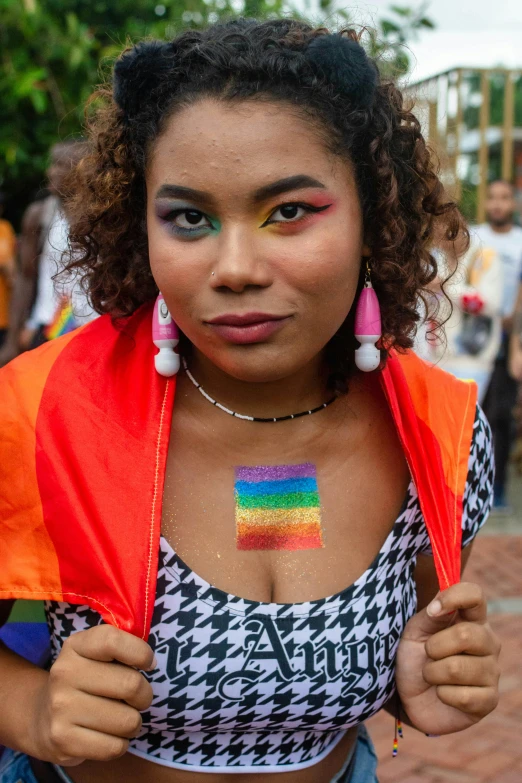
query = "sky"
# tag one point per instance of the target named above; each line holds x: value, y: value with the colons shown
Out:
x: 469, y: 32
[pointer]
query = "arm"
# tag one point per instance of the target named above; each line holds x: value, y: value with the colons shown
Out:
x: 515, y: 342
x: 427, y: 587
x: 447, y: 661
x: 14, y: 724
x: 86, y: 706
x: 24, y: 281
x: 447, y: 668
x: 6, y: 271
x: 7, y: 267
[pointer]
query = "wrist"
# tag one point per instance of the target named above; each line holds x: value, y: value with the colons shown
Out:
x: 27, y: 732
x: 402, y: 715
x: 396, y: 709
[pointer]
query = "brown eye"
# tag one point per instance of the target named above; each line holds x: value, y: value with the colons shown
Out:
x: 190, y: 216
x: 289, y: 211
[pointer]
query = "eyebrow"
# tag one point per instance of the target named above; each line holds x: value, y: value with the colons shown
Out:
x: 284, y: 185
x: 258, y: 196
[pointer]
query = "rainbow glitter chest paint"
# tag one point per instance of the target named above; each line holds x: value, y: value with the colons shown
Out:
x: 277, y: 507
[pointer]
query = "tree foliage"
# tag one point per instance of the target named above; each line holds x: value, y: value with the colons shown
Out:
x: 53, y: 52
x: 388, y: 42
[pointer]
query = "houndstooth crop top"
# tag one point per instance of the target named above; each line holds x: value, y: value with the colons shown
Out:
x: 245, y: 686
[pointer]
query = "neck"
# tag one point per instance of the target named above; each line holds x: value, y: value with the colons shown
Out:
x: 302, y: 390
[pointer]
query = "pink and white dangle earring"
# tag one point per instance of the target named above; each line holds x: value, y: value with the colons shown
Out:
x: 165, y: 336
x: 368, y: 326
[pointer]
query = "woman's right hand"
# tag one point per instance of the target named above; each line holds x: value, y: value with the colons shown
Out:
x: 89, y: 706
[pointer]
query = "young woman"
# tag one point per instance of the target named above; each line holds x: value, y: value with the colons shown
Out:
x: 236, y: 580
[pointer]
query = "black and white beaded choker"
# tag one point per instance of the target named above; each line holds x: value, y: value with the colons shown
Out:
x: 252, y: 418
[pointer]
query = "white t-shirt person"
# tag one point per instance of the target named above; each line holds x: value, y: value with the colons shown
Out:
x: 473, y: 340
x: 509, y: 247
x: 49, y: 291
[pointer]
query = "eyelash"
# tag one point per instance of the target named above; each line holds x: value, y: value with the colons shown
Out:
x: 307, y: 207
x: 187, y: 231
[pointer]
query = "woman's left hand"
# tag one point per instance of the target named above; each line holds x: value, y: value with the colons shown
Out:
x: 447, y: 662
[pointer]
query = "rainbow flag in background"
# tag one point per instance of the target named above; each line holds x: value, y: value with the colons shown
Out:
x: 63, y: 321
x: 277, y: 507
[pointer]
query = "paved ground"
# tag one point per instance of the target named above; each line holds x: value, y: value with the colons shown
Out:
x: 490, y: 752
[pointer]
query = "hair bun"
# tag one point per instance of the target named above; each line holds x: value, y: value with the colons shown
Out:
x: 139, y: 71
x: 345, y: 64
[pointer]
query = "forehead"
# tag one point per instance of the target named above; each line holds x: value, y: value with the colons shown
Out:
x: 239, y: 143
x: 500, y: 189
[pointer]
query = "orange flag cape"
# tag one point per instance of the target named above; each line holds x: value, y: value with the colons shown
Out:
x: 84, y: 433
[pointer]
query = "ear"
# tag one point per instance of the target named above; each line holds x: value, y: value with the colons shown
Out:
x: 366, y: 251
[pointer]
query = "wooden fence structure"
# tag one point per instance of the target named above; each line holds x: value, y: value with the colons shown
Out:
x: 473, y: 119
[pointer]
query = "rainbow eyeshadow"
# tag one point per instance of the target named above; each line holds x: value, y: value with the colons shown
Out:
x: 277, y: 507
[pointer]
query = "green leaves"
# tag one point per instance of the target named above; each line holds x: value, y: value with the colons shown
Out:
x: 388, y: 27
x: 388, y: 45
x: 54, y: 53
x: 27, y: 82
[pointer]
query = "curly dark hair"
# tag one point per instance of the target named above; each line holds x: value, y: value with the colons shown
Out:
x: 403, y: 201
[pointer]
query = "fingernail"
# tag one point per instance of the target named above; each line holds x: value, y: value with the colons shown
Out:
x: 154, y: 664
x: 434, y: 608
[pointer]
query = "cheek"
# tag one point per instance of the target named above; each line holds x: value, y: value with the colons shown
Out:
x: 178, y: 269
x: 326, y: 274
x: 160, y: 246
x: 327, y: 265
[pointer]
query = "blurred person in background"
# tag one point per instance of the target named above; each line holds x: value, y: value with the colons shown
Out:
x: 428, y: 342
x: 515, y: 341
x: 7, y: 267
x: 501, y: 234
x: 472, y: 307
x: 515, y: 370
x: 36, y: 222
x: 42, y: 307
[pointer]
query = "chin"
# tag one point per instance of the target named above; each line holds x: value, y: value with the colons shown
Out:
x: 258, y: 364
